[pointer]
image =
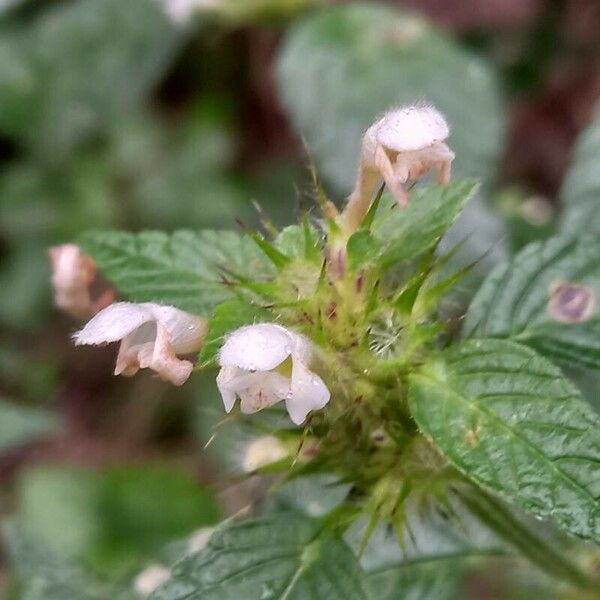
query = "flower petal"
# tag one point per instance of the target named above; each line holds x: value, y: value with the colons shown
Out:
x: 260, y: 347
x: 186, y: 331
x: 266, y: 390
x: 164, y: 360
x: 411, y: 128
x: 226, y: 382
x: 113, y: 323
x: 308, y: 392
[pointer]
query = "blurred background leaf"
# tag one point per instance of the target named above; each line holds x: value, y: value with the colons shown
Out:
x: 341, y: 67
x: 22, y: 424
x: 113, y: 519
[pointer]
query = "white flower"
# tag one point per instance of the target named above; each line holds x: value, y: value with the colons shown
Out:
x: 266, y: 363
x: 182, y: 11
x: 262, y: 452
x: 72, y: 276
x: 151, y: 337
x: 150, y: 579
x: 405, y: 143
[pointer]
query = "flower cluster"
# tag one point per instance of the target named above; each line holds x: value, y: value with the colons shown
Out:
x: 265, y: 363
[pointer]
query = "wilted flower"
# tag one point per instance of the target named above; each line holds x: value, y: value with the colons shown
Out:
x: 72, y: 276
x: 151, y: 337
x: 405, y: 143
x: 571, y: 302
x: 150, y: 579
x: 263, y: 451
x: 266, y: 363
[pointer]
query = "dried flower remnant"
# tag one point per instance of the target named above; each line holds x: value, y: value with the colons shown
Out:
x: 406, y: 143
x: 571, y: 302
x: 261, y: 452
x: 73, y: 274
x: 264, y: 364
x: 151, y: 337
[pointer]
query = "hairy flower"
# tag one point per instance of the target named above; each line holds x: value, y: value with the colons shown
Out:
x: 72, y: 276
x: 265, y: 363
x: 405, y: 143
x: 151, y: 337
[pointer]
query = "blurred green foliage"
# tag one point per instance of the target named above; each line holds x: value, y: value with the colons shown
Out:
x: 113, y: 519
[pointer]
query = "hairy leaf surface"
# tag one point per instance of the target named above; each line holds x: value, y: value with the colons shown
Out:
x: 184, y: 269
x: 277, y: 557
x: 510, y: 421
x: 514, y: 300
x: 406, y: 233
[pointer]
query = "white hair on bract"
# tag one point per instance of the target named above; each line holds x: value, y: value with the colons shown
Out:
x: 255, y: 368
x: 151, y: 336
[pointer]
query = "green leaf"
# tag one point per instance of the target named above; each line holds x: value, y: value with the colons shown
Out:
x: 362, y: 249
x: 513, y: 301
x: 312, y: 495
x: 277, y: 557
x: 183, y: 269
x: 44, y: 575
x: 581, y: 187
x: 227, y: 317
x: 407, y: 232
x: 297, y: 241
x: 437, y: 577
x: 510, y: 421
x: 115, y: 519
x: 21, y: 424
x: 376, y: 57
x: 80, y: 66
x: 441, y: 544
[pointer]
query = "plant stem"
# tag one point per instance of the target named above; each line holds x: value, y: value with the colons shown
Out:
x: 536, y: 549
